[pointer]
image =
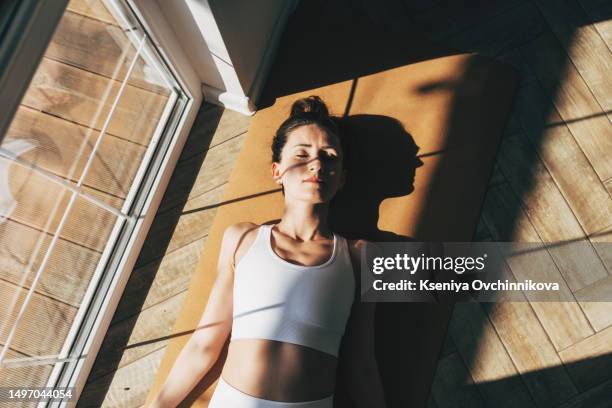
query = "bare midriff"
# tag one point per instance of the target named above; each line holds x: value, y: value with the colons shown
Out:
x: 279, y: 371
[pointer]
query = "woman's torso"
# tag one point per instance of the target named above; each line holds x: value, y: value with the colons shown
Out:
x: 278, y: 370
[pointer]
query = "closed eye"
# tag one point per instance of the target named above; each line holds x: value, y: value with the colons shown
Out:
x: 324, y: 155
x: 329, y: 156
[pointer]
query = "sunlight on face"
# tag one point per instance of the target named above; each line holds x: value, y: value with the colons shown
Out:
x: 311, y: 165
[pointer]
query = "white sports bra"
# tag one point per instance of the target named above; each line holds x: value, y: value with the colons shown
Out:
x: 277, y: 300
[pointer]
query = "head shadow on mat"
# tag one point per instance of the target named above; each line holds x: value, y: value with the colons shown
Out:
x: 382, y: 163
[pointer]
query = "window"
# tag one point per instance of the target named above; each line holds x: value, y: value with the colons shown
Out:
x: 79, y: 166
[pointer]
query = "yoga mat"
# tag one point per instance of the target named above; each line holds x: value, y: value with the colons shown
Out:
x: 423, y: 139
x: 423, y: 129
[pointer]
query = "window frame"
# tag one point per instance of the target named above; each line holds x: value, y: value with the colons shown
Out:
x: 23, y: 41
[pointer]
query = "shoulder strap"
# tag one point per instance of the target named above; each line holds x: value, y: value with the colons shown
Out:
x: 255, y: 241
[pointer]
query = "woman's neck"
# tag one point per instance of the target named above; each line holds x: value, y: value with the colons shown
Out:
x: 305, y: 222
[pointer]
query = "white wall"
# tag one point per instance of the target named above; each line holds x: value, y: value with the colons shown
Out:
x: 190, y: 33
x: 230, y: 43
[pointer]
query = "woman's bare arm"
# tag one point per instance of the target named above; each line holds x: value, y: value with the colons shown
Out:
x: 206, y: 343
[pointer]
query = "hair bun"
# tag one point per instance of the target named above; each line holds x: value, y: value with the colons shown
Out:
x: 312, y: 104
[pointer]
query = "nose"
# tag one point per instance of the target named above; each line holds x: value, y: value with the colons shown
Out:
x: 314, y: 165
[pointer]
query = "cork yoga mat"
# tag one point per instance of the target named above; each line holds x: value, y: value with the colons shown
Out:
x: 423, y: 139
x: 423, y: 125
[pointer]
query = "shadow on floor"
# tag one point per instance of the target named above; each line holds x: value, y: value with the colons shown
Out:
x: 151, y: 256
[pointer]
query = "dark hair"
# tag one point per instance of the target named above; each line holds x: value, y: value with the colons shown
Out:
x: 307, y: 111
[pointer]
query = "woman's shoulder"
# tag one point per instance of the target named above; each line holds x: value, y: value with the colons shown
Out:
x: 356, y: 246
x: 240, y: 228
x: 239, y: 236
x: 237, y: 232
x: 356, y: 243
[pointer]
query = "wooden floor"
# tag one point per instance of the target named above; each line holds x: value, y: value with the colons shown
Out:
x: 552, y: 182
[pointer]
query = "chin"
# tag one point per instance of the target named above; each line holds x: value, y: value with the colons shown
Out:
x: 315, y: 199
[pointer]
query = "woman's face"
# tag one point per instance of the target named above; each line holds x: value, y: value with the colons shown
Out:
x: 311, y: 165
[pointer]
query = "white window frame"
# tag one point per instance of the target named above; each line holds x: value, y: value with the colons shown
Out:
x: 23, y: 46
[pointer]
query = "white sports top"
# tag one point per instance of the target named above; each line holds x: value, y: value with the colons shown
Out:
x: 277, y: 300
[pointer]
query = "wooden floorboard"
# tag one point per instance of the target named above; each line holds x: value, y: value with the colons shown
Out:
x: 608, y: 184
x: 550, y: 215
x: 589, y: 362
x: 499, y: 34
x: 452, y: 385
x: 448, y: 347
x: 600, y: 13
x: 93, y: 9
x: 559, y: 151
x: 532, y: 352
x: 597, y: 397
x: 602, y: 241
x: 214, y: 167
x: 564, y: 322
x: 447, y: 19
x: 213, y: 126
x: 574, y: 100
x: 487, y: 358
x: 160, y: 279
x: 137, y: 336
x: 482, y: 232
x: 583, y: 44
x: 183, y: 225
x: 126, y: 387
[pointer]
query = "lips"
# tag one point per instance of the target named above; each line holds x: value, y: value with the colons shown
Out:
x: 314, y: 180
